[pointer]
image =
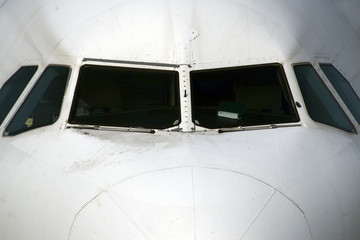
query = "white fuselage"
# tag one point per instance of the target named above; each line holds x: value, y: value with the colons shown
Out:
x: 296, y: 180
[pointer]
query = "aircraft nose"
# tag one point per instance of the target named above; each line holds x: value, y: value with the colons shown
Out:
x: 190, y: 203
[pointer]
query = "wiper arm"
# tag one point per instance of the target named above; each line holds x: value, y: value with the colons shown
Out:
x: 259, y: 127
x: 108, y: 128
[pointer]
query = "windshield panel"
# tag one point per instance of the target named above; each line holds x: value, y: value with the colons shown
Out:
x: 244, y: 96
x: 13, y: 88
x: 43, y: 104
x: 344, y: 89
x: 126, y: 97
x: 320, y: 103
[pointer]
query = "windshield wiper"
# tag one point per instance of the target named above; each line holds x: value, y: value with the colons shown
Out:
x: 109, y: 128
x: 259, y: 127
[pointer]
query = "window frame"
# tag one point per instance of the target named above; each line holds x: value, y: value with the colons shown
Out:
x: 315, y: 65
x: 24, y: 90
x: 285, y: 87
x: 28, y: 90
x: 335, y: 93
x: 152, y: 66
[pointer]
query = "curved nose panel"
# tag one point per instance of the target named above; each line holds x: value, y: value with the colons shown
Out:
x: 190, y: 203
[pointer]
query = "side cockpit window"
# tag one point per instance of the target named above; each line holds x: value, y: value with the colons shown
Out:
x: 344, y: 89
x: 320, y: 103
x: 43, y: 104
x: 126, y: 97
x: 244, y: 96
x: 13, y: 88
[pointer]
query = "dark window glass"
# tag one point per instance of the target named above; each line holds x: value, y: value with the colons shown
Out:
x: 255, y: 95
x: 43, y: 104
x: 344, y: 89
x: 126, y: 97
x: 12, y: 89
x: 320, y: 103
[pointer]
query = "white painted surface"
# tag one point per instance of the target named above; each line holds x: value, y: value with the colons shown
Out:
x: 286, y: 183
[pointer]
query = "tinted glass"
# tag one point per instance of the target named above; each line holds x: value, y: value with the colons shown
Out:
x: 256, y: 95
x: 344, y: 89
x: 12, y: 89
x: 320, y: 103
x: 126, y: 97
x: 42, y: 106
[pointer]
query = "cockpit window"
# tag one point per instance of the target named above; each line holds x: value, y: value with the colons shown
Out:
x: 43, y: 104
x: 12, y: 89
x: 245, y: 96
x: 126, y: 97
x: 344, y: 89
x: 320, y: 103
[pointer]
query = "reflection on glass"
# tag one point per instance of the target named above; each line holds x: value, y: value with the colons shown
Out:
x: 126, y: 97
x: 244, y: 96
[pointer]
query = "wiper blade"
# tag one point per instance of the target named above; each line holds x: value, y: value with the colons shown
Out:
x: 109, y: 128
x: 259, y: 127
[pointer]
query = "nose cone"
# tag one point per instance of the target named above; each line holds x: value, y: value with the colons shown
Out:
x: 190, y: 203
